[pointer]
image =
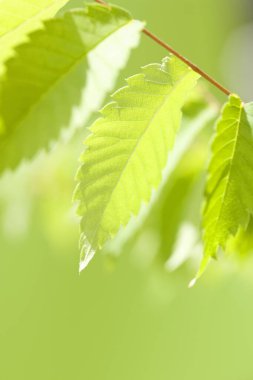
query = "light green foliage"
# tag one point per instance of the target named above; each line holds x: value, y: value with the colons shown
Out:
x: 19, y: 17
x: 229, y: 189
x: 44, y: 83
x: 128, y: 149
x: 58, y: 60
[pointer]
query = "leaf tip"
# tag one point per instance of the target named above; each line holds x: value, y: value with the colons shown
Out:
x: 192, y: 283
x: 87, y: 254
x: 85, y: 261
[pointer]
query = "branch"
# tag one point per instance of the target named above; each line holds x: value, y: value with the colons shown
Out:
x: 181, y: 57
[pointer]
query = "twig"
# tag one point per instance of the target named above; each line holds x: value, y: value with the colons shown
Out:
x: 181, y: 57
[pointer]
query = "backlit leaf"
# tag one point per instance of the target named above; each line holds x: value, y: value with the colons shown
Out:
x: 128, y: 150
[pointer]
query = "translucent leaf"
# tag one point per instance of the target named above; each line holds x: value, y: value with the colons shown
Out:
x: 60, y: 76
x: 229, y: 189
x: 19, y: 17
x: 128, y: 150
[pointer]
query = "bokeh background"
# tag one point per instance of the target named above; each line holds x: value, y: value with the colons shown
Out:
x: 126, y: 317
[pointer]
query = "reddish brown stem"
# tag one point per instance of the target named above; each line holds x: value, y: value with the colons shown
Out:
x: 181, y: 57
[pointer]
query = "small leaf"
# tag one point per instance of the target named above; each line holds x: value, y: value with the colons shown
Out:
x: 229, y: 189
x: 60, y: 76
x: 128, y: 150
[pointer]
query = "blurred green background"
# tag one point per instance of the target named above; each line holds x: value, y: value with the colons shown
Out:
x: 123, y: 319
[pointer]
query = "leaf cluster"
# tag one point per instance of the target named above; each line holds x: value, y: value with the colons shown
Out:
x: 144, y: 161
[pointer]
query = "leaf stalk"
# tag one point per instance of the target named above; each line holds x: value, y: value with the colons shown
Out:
x: 195, y: 68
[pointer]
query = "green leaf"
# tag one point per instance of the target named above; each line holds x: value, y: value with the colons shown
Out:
x: 128, y: 149
x: 229, y: 189
x: 60, y: 76
x: 19, y: 17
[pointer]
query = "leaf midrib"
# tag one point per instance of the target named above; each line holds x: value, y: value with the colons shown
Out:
x: 166, y: 97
